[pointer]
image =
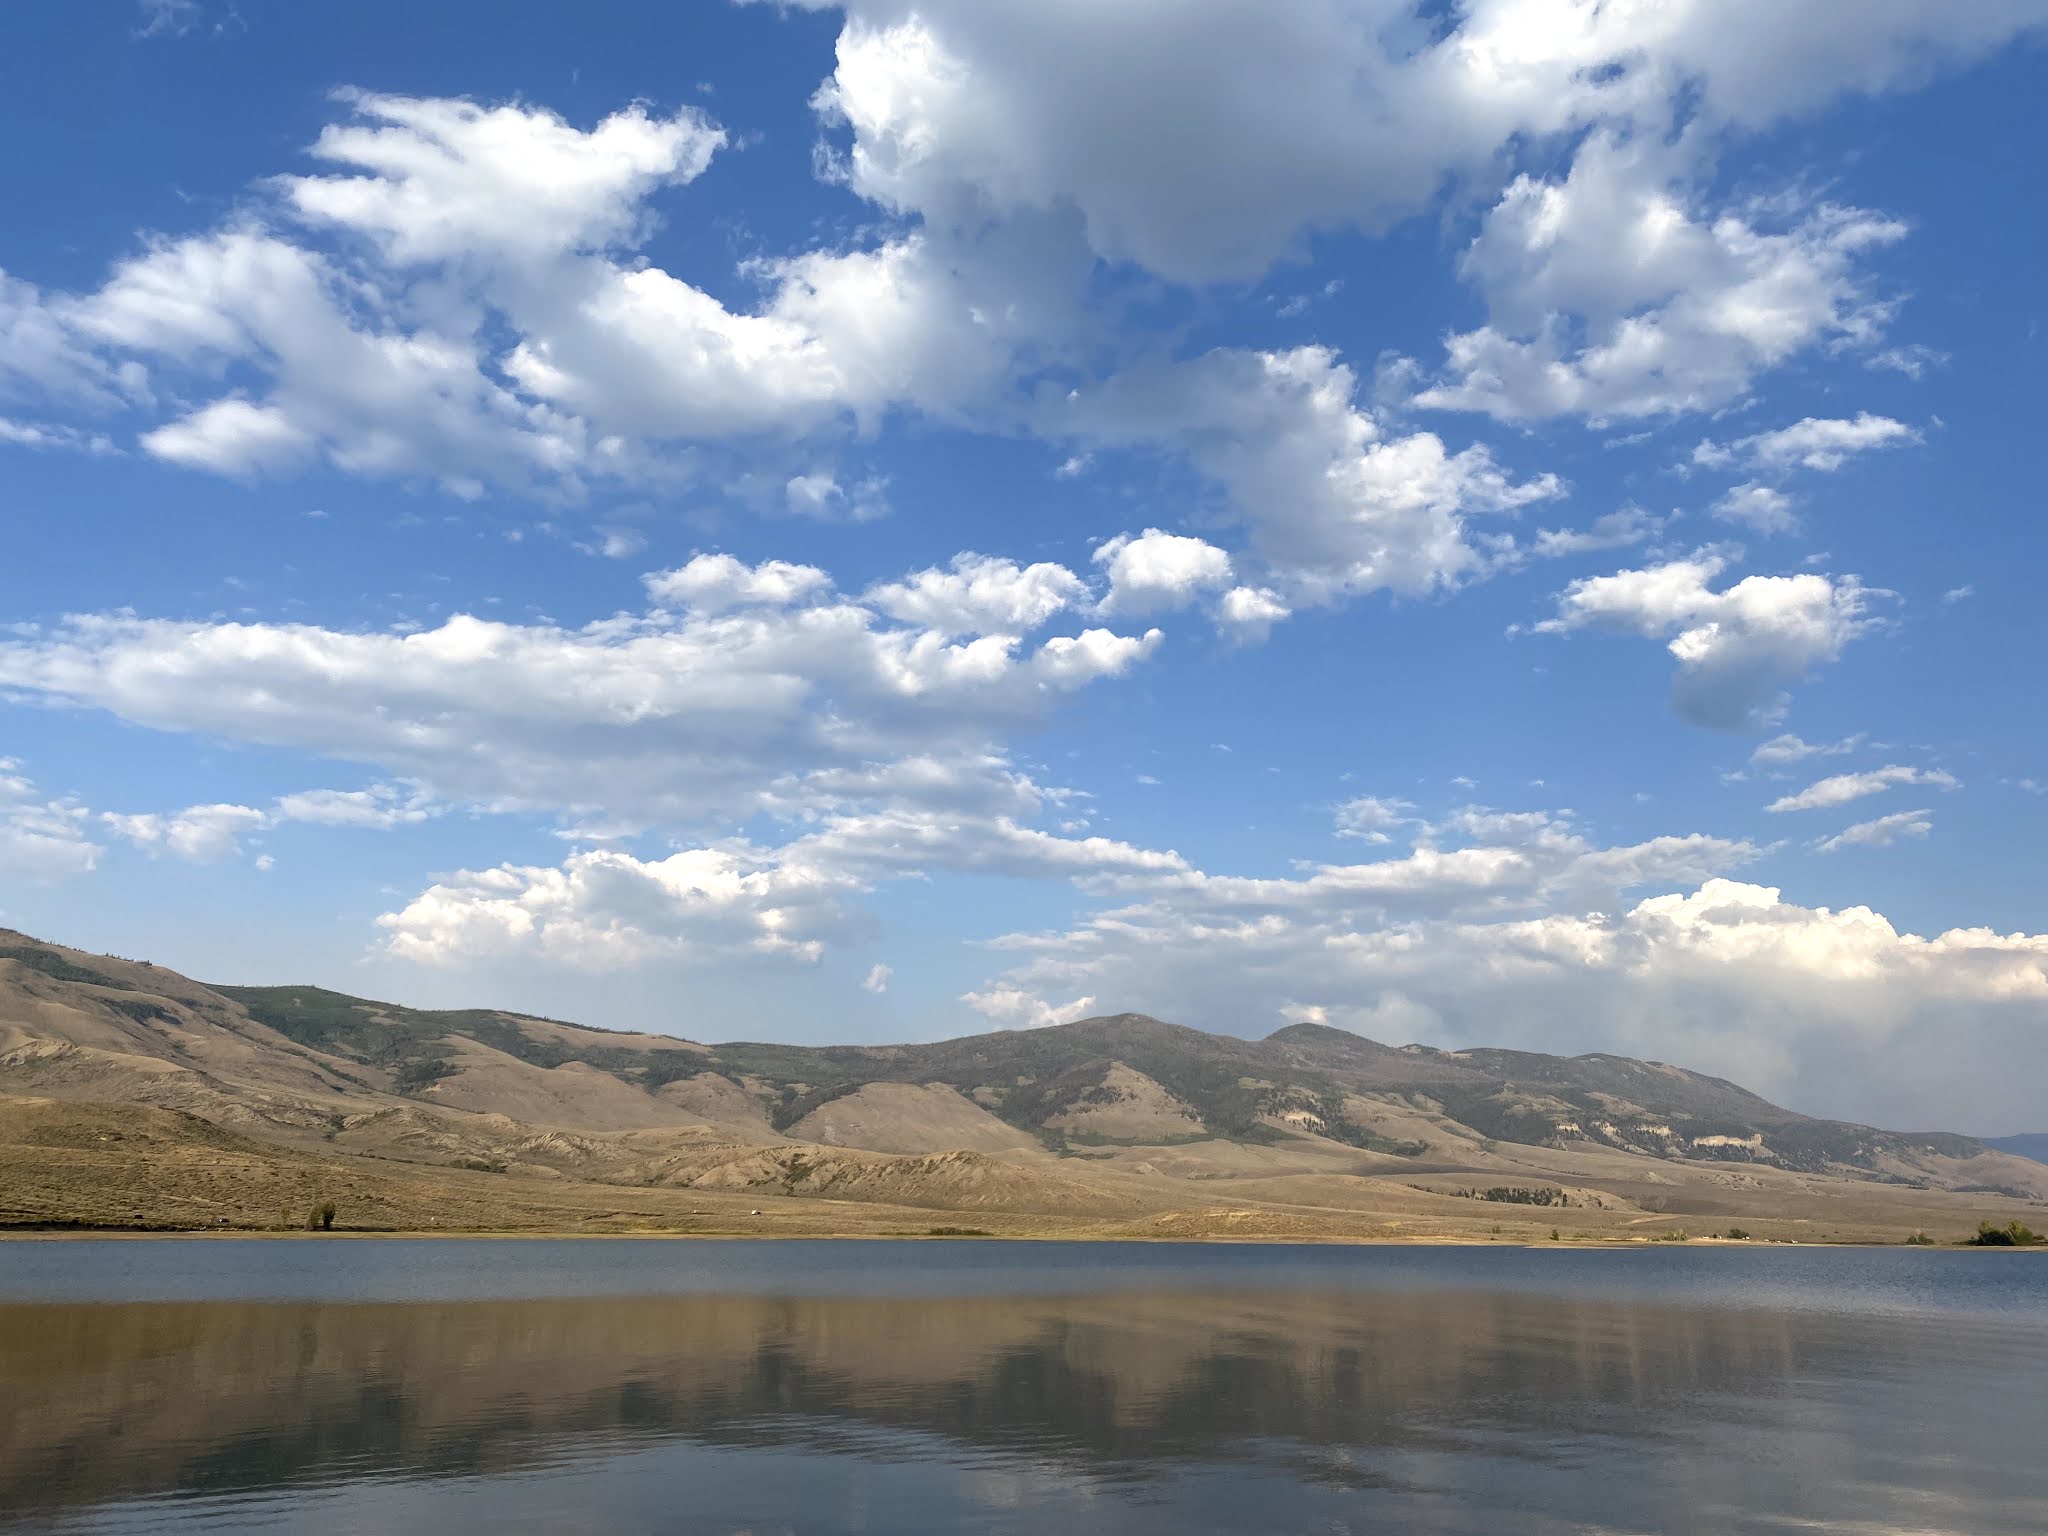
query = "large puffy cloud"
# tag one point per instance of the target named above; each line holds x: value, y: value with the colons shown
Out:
x: 1334, y: 505
x: 981, y: 595
x: 663, y: 716
x: 1202, y: 140
x: 233, y: 437
x: 1155, y: 569
x: 1736, y: 647
x: 480, y: 311
x: 601, y: 906
x: 606, y: 906
x: 480, y: 316
x: 444, y: 180
x: 1753, y: 63
x: 525, y: 208
x: 639, y: 352
x: 1195, y: 141
x: 343, y: 381
x: 714, y: 583
x: 1830, y: 1011
x: 1249, y: 613
x: 1612, y: 296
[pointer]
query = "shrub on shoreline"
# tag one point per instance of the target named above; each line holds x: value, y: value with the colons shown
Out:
x: 2014, y: 1234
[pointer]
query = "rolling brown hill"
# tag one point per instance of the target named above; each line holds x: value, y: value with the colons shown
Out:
x: 135, y: 1096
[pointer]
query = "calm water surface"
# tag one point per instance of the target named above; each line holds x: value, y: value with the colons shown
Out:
x: 366, y: 1386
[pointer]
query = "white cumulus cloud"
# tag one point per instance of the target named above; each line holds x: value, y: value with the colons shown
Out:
x: 1333, y: 505
x: 1201, y: 139
x: 981, y: 595
x: 728, y: 706
x: 1613, y: 295
x: 1735, y: 648
x: 716, y: 583
x: 1811, y: 443
x: 435, y: 180
x: 1156, y: 570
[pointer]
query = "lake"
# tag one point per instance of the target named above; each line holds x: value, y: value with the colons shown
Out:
x: 352, y: 1385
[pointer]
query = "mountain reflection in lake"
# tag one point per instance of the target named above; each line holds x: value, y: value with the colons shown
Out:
x: 1183, y: 1408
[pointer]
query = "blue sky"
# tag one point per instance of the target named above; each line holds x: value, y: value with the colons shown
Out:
x: 1509, y: 523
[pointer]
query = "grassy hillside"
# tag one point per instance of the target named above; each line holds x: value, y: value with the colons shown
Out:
x: 131, y: 1095
x: 1121, y: 1078
x: 410, y: 1042
x: 1249, y: 1091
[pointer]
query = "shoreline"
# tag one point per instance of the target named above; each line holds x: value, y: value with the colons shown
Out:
x: 1629, y: 1245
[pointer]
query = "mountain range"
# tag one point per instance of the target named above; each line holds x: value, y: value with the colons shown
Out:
x: 133, y: 1096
